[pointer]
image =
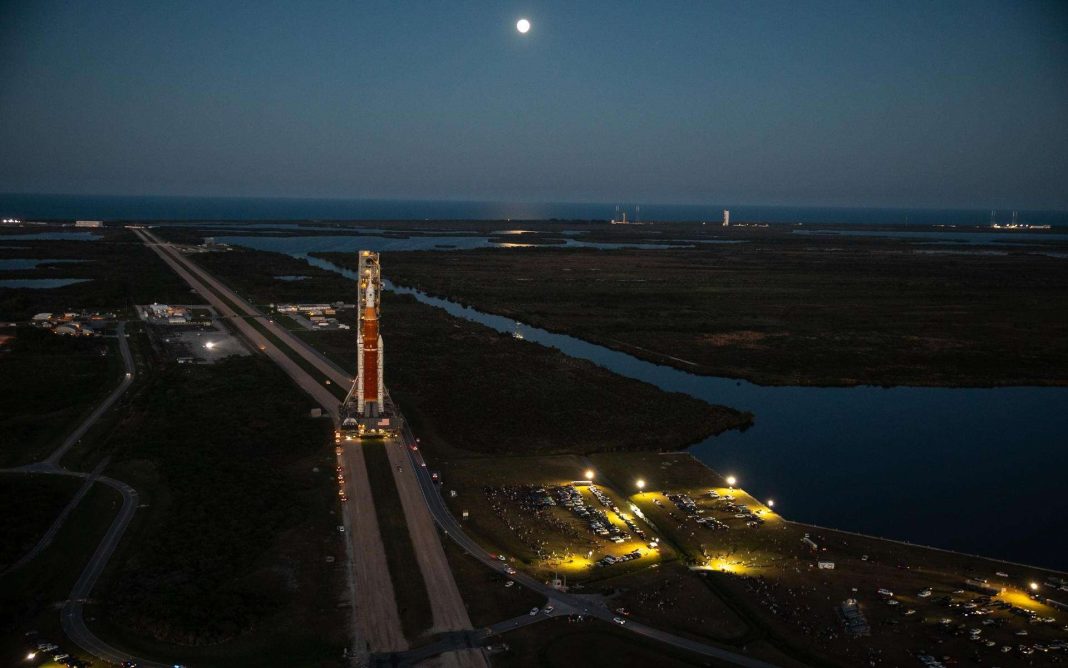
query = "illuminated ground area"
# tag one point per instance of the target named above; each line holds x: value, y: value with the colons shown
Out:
x: 504, y: 514
x: 730, y: 569
x: 775, y: 576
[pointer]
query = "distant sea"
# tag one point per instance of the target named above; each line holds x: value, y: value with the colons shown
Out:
x: 92, y: 207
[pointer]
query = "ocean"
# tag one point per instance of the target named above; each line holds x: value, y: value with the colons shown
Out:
x: 95, y: 207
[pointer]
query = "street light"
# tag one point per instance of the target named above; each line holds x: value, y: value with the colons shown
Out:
x: 731, y: 481
x: 1034, y: 586
x: 771, y: 503
x: 589, y: 474
x: 641, y: 484
x: 209, y: 345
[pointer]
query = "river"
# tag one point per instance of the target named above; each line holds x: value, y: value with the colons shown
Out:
x: 968, y: 469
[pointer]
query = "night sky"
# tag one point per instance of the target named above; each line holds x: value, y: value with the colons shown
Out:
x: 940, y: 104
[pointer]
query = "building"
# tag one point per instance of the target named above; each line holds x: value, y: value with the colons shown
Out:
x: 726, y: 218
x: 88, y: 223
x: 364, y: 412
x: 73, y: 329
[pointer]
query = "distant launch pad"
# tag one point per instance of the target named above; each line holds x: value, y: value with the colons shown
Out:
x: 363, y: 412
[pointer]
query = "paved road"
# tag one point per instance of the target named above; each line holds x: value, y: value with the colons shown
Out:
x: 374, y: 606
x: 124, y: 384
x: 50, y: 535
x: 450, y: 613
x: 559, y: 599
x: 71, y: 615
x: 446, y: 604
x: 452, y: 528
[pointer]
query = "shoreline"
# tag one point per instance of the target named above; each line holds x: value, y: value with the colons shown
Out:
x: 652, y: 356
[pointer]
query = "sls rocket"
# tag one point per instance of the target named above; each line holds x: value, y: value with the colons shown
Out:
x: 370, y: 387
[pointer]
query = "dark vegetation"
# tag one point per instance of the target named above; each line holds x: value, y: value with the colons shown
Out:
x: 50, y: 383
x: 488, y: 392
x: 28, y: 506
x: 258, y: 271
x: 122, y: 269
x: 468, y: 388
x: 782, y: 308
x: 592, y: 644
x: 229, y: 560
x: 413, y: 605
x: 30, y: 598
x: 488, y: 601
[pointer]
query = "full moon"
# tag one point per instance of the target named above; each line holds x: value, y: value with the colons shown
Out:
x: 523, y: 26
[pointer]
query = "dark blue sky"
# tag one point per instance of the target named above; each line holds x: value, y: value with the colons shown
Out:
x: 941, y: 104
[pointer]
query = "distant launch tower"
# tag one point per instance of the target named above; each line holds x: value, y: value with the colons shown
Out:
x: 363, y: 412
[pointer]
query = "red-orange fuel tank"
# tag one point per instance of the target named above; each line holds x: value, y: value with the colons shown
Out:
x: 370, y: 353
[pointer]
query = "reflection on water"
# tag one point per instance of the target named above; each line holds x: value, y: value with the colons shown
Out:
x: 40, y: 283
x: 28, y: 263
x: 972, y: 469
x: 353, y: 243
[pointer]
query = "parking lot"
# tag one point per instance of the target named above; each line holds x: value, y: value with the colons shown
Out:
x: 551, y: 524
x: 872, y: 601
x: 196, y: 336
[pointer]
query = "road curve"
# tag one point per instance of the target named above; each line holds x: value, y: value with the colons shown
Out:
x: 71, y: 615
x: 60, y: 520
x: 453, y: 530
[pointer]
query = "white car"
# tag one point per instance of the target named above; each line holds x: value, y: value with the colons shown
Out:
x: 510, y: 570
x: 620, y: 621
x: 533, y: 611
x: 548, y: 610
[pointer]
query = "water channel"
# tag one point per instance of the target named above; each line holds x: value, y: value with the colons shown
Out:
x: 970, y: 469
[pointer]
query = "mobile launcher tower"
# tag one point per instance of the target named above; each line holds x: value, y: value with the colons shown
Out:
x: 363, y: 412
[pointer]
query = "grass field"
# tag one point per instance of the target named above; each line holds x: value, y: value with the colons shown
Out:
x: 590, y: 644
x: 548, y: 541
x: 782, y: 308
x: 518, y: 382
x: 770, y: 579
x: 524, y: 399
x: 228, y: 562
x: 487, y: 599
